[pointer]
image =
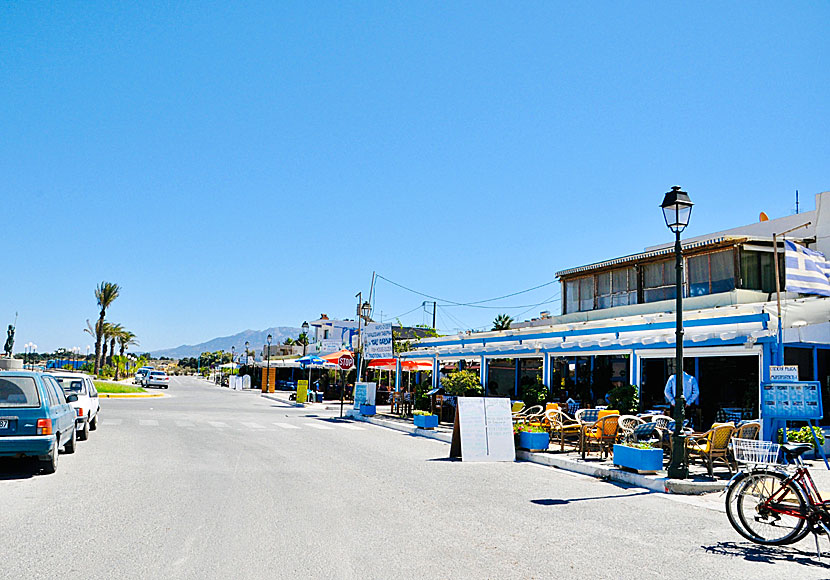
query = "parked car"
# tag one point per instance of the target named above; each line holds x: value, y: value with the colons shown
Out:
x: 87, y: 405
x: 157, y: 379
x: 36, y: 418
x: 140, y: 375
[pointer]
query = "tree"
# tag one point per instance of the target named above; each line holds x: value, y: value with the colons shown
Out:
x: 105, y: 294
x: 106, y: 334
x: 502, y: 322
x: 288, y: 341
x: 462, y: 383
x: 302, y: 340
x: 125, y: 340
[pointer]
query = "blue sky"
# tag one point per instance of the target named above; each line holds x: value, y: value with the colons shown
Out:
x: 238, y: 167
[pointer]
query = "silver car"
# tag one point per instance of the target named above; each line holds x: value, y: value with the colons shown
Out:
x: 157, y: 379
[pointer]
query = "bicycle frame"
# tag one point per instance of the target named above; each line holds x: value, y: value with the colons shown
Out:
x: 800, y: 477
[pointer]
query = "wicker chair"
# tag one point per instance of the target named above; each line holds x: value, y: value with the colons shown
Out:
x: 563, y: 427
x: 529, y: 414
x: 587, y: 415
x: 713, y: 446
x: 647, y: 432
x: 602, y: 433
x: 627, y: 424
x: 747, y: 430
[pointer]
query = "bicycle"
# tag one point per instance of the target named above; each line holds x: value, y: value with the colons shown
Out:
x: 770, y: 504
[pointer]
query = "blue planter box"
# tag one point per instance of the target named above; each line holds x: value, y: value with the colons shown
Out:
x: 367, y: 409
x: 426, y: 421
x: 638, y: 459
x: 533, y: 441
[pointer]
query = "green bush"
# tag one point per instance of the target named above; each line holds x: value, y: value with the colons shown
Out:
x: 624, y: 399
x: 534, y: 393
x: 462, y: 384
x: 802, y: 435
x: 527, y: 428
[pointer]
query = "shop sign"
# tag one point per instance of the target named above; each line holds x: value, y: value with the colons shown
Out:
x: 783, y: 373
x: 483, y: 430
x: 794, y: 401
x: 364, y: 394
x: 377, y: 341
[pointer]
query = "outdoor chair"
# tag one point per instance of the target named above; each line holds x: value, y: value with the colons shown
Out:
x: 573, y: 407
x: 644, y: 433
x: 563, y: 427
x: 602, y: 434
x: 627, y: 425
x: 747, y: 430
x: 529, y: 414
x: 712, y: 446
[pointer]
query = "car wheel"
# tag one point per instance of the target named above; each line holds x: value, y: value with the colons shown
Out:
x: 70, y: 445
x: 50, y: 464
x: 93, y: 425
x: 84, y: 434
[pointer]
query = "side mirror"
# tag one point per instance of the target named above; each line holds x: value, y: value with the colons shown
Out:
x: 71, y: 398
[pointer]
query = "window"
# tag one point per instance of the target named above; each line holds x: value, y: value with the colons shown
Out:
x: 18, y: 392
x: 571, y: 296
x: 659, y: 281
x: 617, y: 288
x: 711, y: 273
x: 586, y: 293
x: 758, y: 270
x: 50, y: 391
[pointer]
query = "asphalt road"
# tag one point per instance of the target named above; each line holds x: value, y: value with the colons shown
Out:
x: 212, y: 483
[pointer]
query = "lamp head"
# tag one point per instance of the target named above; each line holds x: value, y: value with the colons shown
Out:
x: 365, y: 308
x: 305, y: 327
x: 269, y: 339
x: 677, y: 209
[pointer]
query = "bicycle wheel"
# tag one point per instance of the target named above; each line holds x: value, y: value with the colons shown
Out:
x: 760, y: 520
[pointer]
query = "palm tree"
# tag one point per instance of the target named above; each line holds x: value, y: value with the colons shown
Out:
x: 106, y: 335
x: 105, y: 294
x: 114, y: 333
x: 125, y: 340
x: 502, y: 322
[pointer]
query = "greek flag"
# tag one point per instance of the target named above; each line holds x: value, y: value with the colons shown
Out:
x: 808, y: 272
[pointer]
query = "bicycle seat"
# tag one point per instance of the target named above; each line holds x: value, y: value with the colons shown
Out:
x: 793, y: 450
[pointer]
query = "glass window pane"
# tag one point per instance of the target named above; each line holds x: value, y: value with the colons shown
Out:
x: 604, y: 284
x: 571, y: 296
x: 698, y: 275
x: 586, y: 293
x: 722, y: 266
x: 751, y: 270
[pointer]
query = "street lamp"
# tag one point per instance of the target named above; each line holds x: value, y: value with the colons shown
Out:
x: 233, y: 352
x: 247, y: 346
x: 677, y: 209
x: 305, y: 336
x: 268, y: 364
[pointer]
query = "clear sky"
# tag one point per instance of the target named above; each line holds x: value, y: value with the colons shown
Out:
x: 246, y: 165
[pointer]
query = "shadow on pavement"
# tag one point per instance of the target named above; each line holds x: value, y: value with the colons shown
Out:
x: 766, y: 554
x: 14, y: 468
x: 550, y: 502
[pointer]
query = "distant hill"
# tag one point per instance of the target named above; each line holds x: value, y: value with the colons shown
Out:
x: 257, y: 339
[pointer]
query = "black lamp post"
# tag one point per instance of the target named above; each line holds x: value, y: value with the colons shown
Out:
x: 677, y: 208
x: 305, y: 336
x: 247, y: 346
x: 268, y: 371
x: 233, y: 353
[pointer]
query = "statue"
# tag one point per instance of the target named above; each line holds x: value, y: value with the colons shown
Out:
x: 9, y: 341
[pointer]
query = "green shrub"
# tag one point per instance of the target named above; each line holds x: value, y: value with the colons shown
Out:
x: 624, y: 399
x: 802, y: 435
x: 462, y: 384
x: 527, y: 428
x: 534, y: 393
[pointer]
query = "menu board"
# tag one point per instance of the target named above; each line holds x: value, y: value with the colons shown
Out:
x: 483, y: 430
x: 799, y: 400
x: 364, y: 394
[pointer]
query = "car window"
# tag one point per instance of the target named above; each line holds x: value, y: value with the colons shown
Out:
x: 60, y: 398
x: 18, y: 392
x: 50, y: 391
x: 93, y: 392
x: 70, y: 385
x: 157, y: 374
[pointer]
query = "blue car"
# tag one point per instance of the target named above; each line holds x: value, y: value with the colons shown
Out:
x: 36, y: 418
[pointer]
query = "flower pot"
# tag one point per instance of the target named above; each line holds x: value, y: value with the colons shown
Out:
x: 534, y: 441
x: 426, y: 421
x: 640, y: 460
x: 367, y: 410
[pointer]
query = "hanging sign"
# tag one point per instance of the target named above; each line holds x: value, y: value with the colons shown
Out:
x: 783, y: 373
x: 377, y: 341
x: 483, y: 430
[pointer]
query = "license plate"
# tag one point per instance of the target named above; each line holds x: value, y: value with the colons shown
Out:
x: 4, y: 423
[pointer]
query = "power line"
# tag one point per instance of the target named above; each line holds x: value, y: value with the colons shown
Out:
x: 476, y: 304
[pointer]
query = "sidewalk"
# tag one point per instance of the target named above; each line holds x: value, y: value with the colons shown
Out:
x: 698, y: 483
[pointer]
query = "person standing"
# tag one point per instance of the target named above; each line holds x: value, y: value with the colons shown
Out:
x: 691, y: 392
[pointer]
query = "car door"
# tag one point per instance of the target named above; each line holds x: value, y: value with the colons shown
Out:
x: 94, y: 400
x: 63, y: 413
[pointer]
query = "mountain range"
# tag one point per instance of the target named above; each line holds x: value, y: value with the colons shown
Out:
x: 256, y: 338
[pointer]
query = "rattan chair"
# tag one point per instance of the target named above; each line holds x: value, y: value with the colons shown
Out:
x: 602, y: 434
x: 627, y: 424
x: 713, y: 446
x: 563, y: 427
x: 529, y: 414
x: 747, y: 430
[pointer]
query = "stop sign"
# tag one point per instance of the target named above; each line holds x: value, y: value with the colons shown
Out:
x: 345, y: 362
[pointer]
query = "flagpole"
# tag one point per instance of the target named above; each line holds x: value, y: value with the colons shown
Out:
x: 779, y: 355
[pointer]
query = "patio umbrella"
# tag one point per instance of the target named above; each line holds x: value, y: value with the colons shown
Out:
x: 311, y: 360
x: 335, y: 356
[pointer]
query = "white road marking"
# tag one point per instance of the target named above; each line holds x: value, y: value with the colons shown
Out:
x: 184, y: 424
x: 286, y: 425
x: 218, y: 424
x: 318, y: 426
x: 148, y: 422
x: 253, y: 425
x: 353, y: 427
x: 112, y: 422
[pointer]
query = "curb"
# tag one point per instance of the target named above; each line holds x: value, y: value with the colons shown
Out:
x: 130, y: 395
x: 272, y: 397
x: 651, y: 482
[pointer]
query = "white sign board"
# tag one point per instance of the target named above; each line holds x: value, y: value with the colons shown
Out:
x: 327, y: 346
x: 377, y: 341
x: 246, y: 381
x: 783, y: 373
x: 486, y: 429
x: 364, y: 394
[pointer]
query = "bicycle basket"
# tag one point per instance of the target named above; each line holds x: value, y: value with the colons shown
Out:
x: 755, y: 452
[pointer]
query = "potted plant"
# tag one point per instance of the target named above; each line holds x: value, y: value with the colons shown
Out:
x: 532, y: 437
x: 367, y: 410
x: 641, y: 457
x: 425, y: 420
x: 803, y: 435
